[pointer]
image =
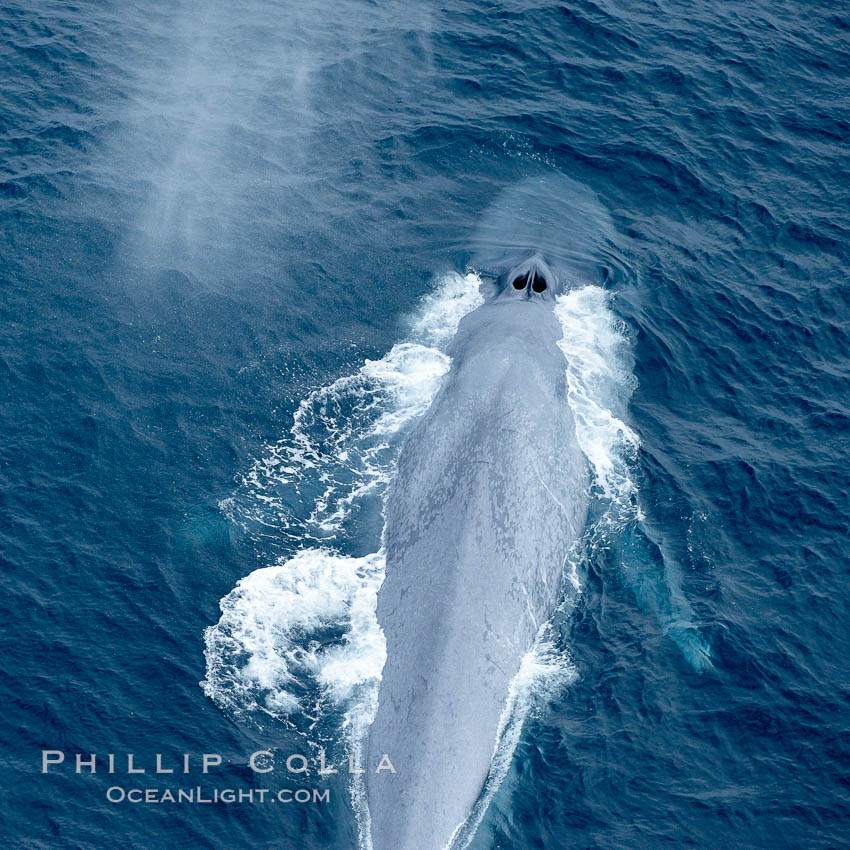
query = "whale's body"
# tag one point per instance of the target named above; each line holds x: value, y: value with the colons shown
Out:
x: 490, y: 494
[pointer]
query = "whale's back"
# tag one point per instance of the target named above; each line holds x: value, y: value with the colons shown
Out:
x: 489, y: 496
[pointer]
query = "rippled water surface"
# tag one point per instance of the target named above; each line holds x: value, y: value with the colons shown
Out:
x: 223, y: 218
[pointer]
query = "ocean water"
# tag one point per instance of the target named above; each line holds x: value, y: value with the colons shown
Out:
x: 235, y: 240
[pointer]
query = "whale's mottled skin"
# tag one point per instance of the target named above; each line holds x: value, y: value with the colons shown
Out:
x: 491, y: 492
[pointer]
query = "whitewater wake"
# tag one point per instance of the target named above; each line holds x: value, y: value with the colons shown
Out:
x: 299, y: 640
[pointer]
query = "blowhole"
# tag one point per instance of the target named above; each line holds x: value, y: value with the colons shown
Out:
x: 521, y: 282
x: 538, y: 284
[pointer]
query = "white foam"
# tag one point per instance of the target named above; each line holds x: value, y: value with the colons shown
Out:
x: 600, y: 384
x: 303, y: 632
x: 344, y: 436
x: 262, y: 645
x: 442, y: 310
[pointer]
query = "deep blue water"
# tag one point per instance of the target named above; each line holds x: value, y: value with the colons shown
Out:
x: 211, y: 208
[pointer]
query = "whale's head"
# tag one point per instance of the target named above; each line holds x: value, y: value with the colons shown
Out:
x: 530, y: 280
x: 540, y: 237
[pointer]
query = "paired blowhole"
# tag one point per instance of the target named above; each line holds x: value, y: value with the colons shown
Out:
x: 538, y: 283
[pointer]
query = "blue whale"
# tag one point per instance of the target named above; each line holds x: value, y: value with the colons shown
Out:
x: 490, y: 494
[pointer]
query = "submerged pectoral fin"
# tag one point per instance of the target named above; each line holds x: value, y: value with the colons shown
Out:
x: 693, y: 645
x: 655, y: 580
